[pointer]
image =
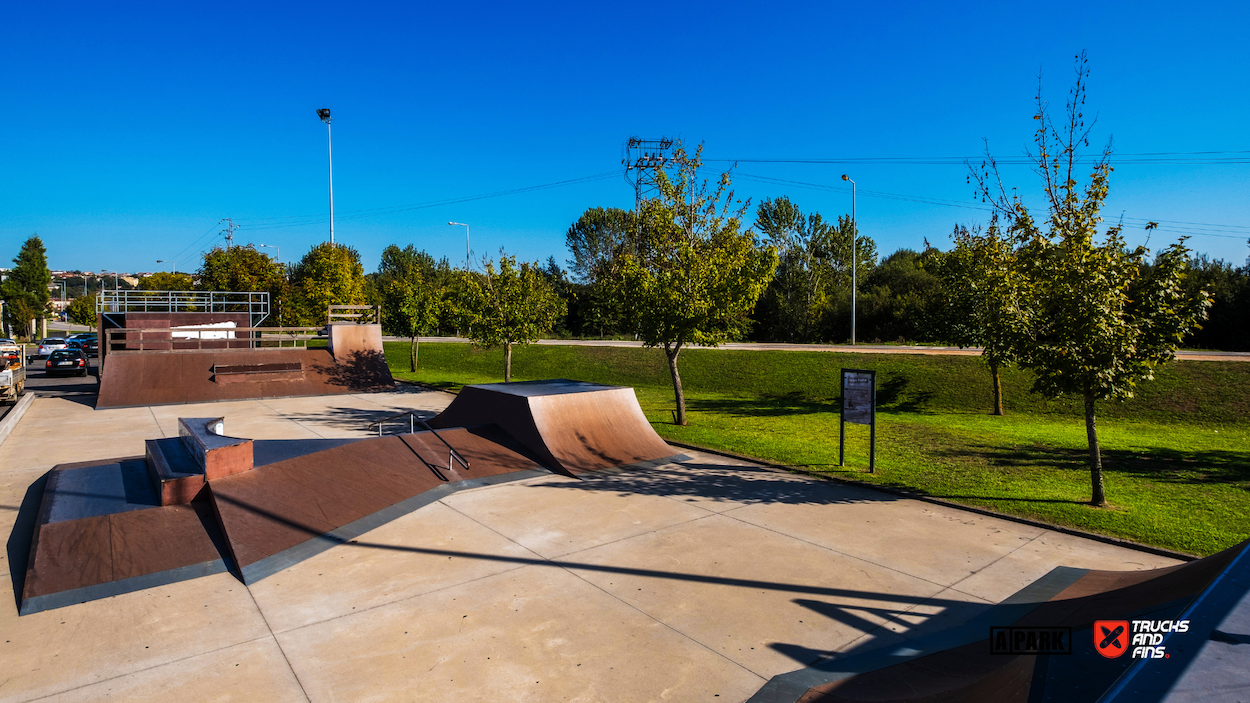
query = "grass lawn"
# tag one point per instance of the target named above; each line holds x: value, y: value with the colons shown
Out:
x: 1176, y: 457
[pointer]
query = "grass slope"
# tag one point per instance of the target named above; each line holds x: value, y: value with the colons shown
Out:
x: 1177, y: 456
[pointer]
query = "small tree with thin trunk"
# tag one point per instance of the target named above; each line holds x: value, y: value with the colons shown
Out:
x: 984, y: 299
x: 409, y: 307
x: 509, y: 306
x: 696, y: 275
x: 1095, y: 328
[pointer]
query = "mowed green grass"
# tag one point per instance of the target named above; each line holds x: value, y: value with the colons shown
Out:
x: 1176, y: 456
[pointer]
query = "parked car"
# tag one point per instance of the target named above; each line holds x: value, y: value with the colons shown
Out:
x: 12, y: 370
x: 49, y: 345
x: 62, y: 362
x: 82, y: 335
x: 90, y: 346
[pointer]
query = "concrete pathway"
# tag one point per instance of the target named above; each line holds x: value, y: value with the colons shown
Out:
x: 688, y: 582
x: 844, y: 348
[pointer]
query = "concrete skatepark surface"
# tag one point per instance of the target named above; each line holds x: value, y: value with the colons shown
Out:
x: 696, y: 580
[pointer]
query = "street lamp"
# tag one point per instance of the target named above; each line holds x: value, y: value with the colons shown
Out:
x: 324, y: 114
x: 854, y: 243
x: 277, y: 255
x: 466, y: 242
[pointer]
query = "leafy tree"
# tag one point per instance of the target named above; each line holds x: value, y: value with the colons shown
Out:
x: 164, y: 280
x: 412, y: 292
x: 245, y: 269
x: 985, y: 299
x: 795, y: 299
x: 595, y: 239
x: 82, y: 310
x: 511, y: 306
x: 1228, y: 324
x: 898, y: 298
x: 696, y: 275
x: 836, y: 318
x: 328, y: 275
x: 1088, y: 336
x: 25, y: 286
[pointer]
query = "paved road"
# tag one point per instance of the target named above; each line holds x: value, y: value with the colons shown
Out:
x: 845, y: 348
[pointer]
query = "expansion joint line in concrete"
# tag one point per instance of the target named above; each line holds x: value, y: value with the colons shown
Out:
x: 156, y: 421
x: 292, y: 420
x: 613, y: 596
x: 172, y: 662
x: 278, y: 644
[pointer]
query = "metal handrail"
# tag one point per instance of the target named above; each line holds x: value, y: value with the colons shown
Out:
x: 413, y: 420
x: 373, y: 316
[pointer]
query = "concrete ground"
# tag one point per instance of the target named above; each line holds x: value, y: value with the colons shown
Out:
x: 688, y: 582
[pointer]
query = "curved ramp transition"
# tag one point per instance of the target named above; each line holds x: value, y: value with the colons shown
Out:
x: 959, y: 664
x: 570, y: 425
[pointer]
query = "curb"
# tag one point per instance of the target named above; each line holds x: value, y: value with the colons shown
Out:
x: 1105, y: 539
x: 15, y: 415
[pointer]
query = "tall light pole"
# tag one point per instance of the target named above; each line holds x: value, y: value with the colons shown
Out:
x: 277, y: 255
x: 854, y: 246
x: 324, y: 114
x: 466, y: 242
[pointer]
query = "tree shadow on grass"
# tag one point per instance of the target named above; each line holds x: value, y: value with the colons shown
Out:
x: 781, y: 405
x: 1208, y: 466
x: 893, y: 396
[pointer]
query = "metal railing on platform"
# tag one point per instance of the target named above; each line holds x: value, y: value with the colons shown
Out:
x: 413, y: 421
x: 360, y: 314
x: 254, y: 303
x: 125, y: 340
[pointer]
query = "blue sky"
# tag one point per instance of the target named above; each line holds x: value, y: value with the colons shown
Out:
x: 131, y: 130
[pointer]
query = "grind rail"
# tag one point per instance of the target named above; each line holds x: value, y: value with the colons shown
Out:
x: 413, y: 421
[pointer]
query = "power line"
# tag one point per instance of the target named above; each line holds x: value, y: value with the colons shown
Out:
x: 1155, y: 157
x: 1199, y: 229
x: 279, y: 223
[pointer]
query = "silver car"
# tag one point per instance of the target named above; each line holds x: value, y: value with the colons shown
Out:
x: 49, y: 345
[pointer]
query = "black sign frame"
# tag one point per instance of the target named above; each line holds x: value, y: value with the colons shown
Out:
x: 872, y: 423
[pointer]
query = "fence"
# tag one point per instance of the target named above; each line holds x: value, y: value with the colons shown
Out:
x: 360, y: 314
x: 127, y: 340
x: 254, y: 303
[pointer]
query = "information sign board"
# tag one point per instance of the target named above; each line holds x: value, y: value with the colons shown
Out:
x: 859, y: 401
x: 857, y: 387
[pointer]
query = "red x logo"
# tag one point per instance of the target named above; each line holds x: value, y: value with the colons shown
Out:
x: 1111, y: 637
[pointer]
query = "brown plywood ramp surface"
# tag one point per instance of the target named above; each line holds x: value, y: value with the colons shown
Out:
x: 958, y: 664
x: 162, y: 378
x: 101, y: 531
x: 282, y: 513
x: 570, y: 425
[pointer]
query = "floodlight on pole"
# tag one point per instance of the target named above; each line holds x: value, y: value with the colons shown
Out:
x: 467, y: 255
x: 854, y: 246
x: 277, y: 254
x: 324, y: 114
